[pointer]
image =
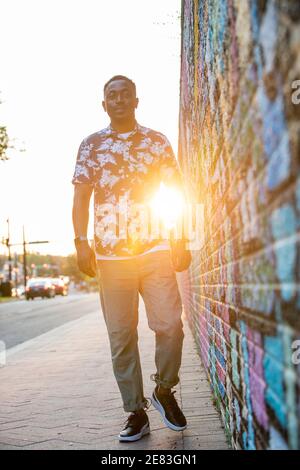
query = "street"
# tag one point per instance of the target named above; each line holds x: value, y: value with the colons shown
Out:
x: 23, y: 320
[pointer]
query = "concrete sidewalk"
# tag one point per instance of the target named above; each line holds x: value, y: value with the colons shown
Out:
x: 58, y: 392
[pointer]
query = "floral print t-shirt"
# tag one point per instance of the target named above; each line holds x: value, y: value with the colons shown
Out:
x: 125, y: 174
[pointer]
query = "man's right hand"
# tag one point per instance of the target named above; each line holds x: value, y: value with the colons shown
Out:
x: 86, y: 259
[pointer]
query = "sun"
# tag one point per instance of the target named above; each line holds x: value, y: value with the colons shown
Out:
x: 168, y: 205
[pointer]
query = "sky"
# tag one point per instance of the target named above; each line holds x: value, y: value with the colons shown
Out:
x: 56, y: 56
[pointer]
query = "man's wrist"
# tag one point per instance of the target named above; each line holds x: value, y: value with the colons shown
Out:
x: 80, y: 241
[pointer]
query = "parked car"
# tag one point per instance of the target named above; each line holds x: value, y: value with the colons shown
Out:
x: 60, y: 287
x: 41, y: 287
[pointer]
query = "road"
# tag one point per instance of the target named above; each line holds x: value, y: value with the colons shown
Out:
x: 23, y: 320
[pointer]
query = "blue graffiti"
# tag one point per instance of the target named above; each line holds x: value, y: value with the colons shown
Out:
x: 283, y: 223
x: 273, y: 369
x: 251, y: 435
x: 279, y: 167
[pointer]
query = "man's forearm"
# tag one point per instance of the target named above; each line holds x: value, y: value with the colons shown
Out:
x: 80, y: 216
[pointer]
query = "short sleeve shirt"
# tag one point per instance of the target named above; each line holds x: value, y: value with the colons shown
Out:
x: 125, y: 173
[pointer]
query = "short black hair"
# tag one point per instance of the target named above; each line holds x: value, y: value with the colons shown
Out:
x: 120, y: 77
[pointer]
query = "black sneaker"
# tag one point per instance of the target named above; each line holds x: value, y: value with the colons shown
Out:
x: 167, y: 405
x: 137, y: 426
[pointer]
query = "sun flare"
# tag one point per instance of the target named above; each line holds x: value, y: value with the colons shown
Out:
x: 167, y: 205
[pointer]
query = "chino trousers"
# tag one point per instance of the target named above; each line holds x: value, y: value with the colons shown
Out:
x: 120, y: 283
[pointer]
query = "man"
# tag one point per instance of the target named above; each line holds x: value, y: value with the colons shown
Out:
x: 125, y: 164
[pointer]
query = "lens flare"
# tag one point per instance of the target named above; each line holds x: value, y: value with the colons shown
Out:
x: 168, y: 205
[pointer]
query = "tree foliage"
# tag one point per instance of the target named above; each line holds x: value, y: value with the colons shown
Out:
x: 3, y: 143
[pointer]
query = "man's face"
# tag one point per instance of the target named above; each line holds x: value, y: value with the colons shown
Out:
x: 120, y: 101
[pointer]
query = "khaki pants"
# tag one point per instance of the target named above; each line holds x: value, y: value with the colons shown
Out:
x: 120, y: 283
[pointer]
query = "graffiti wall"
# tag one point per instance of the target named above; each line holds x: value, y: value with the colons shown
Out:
x: 239, y: 148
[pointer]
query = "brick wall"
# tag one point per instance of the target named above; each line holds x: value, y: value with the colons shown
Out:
x: 239, y: 148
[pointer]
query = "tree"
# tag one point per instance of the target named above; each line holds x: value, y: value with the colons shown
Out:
x: 3, y: 143
x: 70, y: 268
x: 7, y: 143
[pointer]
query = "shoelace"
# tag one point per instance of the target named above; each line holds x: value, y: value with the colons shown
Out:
x: 171, y: 400
x: 130, y: 419
x: 133, y: 414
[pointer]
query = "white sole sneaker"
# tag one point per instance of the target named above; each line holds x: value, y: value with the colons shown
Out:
x: 159, y: 408
x: 144, y: 431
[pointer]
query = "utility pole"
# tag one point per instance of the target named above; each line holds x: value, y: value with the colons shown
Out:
x: 24, y: 259
x: 16, y: 268
x: 6, y: 242
x: 25, y: 254
x: 9, y: 253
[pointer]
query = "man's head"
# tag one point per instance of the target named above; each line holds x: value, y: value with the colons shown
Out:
x: 120, y: 99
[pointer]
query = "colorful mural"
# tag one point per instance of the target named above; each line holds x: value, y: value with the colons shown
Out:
x: 239, y: 148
